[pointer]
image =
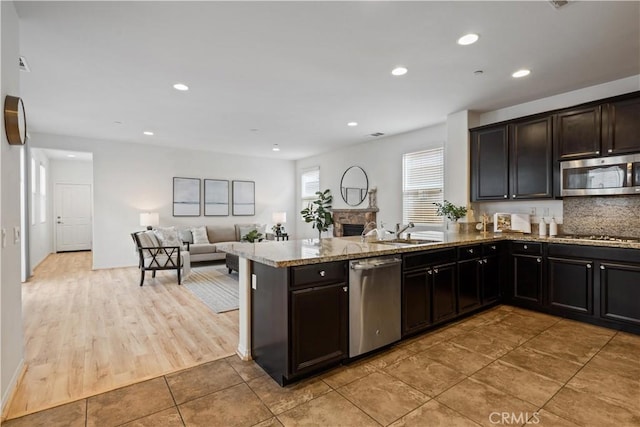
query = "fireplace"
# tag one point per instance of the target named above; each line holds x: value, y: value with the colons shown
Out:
x: 352, y: 229
x: 345, y: 221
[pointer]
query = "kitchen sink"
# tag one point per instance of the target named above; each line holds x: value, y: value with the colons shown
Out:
x: 407, y: 242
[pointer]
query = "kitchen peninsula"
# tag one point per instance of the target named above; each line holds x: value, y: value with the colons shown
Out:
x: 294, y: 299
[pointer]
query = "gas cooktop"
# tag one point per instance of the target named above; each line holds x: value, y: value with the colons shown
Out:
x: 601, y: 238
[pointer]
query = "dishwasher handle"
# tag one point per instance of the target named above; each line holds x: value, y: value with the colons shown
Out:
x: 369, y: 265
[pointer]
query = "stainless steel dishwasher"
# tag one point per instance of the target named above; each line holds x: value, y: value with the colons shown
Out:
x: 374, y: 303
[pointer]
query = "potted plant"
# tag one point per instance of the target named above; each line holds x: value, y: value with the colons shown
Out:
x: 318, y: 213
x: 253, y: 236
x: 451, y: 211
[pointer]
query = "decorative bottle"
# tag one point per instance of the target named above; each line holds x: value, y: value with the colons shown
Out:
x: 542, y: 228
x: 553, y: 228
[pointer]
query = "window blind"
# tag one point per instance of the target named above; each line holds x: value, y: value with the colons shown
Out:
x: 310, y: 183
x: 422, y: 186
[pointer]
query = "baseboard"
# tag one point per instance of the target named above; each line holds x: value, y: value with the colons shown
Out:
x: 7, y: 397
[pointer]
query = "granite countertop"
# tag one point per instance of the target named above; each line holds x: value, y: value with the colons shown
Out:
x: 308, y: 251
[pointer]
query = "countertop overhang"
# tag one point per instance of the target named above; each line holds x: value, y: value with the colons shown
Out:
x: 309, y: 251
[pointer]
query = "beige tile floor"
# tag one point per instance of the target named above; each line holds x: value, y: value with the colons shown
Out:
x: 500, y: 367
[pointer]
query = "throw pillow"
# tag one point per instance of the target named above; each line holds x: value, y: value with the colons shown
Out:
x: 199, y: 235
x: 185, y: 235
x: 168, y: 236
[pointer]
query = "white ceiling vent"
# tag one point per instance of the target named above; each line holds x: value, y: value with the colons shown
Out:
x: 22, y: 62
x: 558, y: 3
x: 377, y: 134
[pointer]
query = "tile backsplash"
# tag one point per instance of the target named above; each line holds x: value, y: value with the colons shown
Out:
x: 607, y: 215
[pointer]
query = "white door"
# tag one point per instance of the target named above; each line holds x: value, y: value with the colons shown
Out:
x: 73, y: 217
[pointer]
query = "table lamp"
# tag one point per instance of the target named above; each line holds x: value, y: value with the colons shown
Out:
x: 278, y: 218
x: 149, y: 219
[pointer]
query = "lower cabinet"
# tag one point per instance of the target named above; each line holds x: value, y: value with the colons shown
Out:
x: 620, y: 292
x: 299, y: 318
x: 443, y: 293
x: 416, y: 304
x: 491, y: 279
x: 570, y: 284
x: 527, y: 273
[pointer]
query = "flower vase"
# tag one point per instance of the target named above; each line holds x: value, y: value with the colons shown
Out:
x: 453, y: 226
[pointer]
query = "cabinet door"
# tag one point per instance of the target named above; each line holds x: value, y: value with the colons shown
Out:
x: 527, y: 279
x: 578, y: 133
x: 570, y: 284
x: 443, y: 279
x: 620, y: 292
x: 531, y: 155
x: 489, y: 164
x: 319, y: 326
x: 622, y: 124
x: 469, y: 284
x: 416, y: 306
x: 490, y: 279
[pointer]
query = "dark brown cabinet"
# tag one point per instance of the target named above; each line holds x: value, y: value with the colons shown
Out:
x: 621, y: 127
x: 512, y: 161
x: 527, y: 273
x: 469, y: 281
x: 319, y: 326
x: 578, y: 133
x: 299, y: 318
x: 491, y: 273
x: 620, y: 292
x: 490, y: 164
x: 570, y: 284
x: 428, y: 289
x: 531, y: 159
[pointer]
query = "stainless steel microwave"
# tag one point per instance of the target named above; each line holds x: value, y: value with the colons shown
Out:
x: 601, y: 176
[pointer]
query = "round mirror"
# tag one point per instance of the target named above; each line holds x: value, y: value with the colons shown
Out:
x: 354, y: 186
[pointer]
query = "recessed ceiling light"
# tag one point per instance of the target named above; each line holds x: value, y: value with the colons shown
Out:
x: 180, y: 86
x: 275, y: 147
x: 148, y: 133
x: 468, y: 39
x: 71, y: 155
x: 399, y: 71
x: 352, y: 124
x: 521, y: 73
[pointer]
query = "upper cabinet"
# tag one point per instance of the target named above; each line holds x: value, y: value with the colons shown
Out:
x: 621, y: 127
x: 512, y: 161
x: 577, y: 133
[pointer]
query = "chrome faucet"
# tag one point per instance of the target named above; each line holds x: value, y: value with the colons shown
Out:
x: 364, y: 230
x: 401, y: 228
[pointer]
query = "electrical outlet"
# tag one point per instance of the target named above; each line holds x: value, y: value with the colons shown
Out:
x: 254, y: 281
x: 532, y: 211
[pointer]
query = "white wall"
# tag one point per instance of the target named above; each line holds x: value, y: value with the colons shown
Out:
x: 133, y: 178
x: 381, y: 159
x: 11, y: 339
x: 40, y: 244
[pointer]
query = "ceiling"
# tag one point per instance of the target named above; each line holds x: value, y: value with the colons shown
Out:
x: 294, y: 73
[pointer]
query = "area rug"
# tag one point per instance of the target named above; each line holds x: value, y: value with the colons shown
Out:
x: 214, y: 287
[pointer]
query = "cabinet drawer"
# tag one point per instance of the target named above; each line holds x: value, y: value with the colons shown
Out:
x: 527, y: 248
x: 330, y: 272
x: 424, y: 259
x: 469, y: 252
x: 490, y: 248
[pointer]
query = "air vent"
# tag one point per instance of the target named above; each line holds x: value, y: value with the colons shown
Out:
x: 377, y: 134
x: 22, y: 63
x: 558, y: 3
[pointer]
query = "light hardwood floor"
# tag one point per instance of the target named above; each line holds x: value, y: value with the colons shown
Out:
x: 87, y: 331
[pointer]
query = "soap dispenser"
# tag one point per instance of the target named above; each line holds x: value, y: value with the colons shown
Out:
x: 542, y: 228
x: 553, y: 228
x: 381, y: 231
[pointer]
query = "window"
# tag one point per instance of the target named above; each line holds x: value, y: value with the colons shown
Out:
x: 43, y: 193
x: 422, y: 186
x: 310, y: 183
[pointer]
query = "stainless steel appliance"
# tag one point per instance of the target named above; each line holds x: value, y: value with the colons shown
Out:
x: 374, y: 303
x: 601, y: 176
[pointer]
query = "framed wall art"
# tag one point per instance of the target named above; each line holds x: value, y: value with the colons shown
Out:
x: 186, y: 196
x: 216, y: 197
x: 243, y: 198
